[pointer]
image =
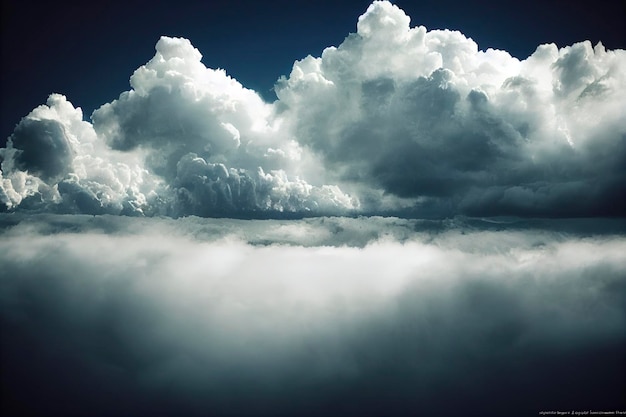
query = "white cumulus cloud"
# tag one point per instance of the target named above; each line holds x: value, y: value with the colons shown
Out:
x: 185, y: 139
x: 427, y: 115
x: 394, y: 119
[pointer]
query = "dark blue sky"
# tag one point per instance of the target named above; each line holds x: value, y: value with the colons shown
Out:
x: 88, y: 50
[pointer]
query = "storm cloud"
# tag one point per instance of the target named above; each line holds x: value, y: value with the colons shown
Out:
x: 370, y: 316
x: 396, y: 119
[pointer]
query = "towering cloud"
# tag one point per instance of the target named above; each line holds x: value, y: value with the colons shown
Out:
x: 184, y: 140
x: 425, y: 114
x: 393, y: 119
x: 215, y: 142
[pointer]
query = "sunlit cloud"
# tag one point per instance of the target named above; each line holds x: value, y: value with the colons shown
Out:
x: 395, y: 119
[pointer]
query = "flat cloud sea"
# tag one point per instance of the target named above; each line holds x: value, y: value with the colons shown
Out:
x: 113, y: 315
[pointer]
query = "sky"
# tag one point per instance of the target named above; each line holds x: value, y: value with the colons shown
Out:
x: 87, y: 50
x: 312, y: 208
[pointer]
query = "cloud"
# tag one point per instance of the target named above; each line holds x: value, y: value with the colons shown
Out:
x: 427, y: 115
x: 55, y: 161
x: 197, y: 317
x: 396, y: 119
x: 161, y: 312
x: 185, y: 139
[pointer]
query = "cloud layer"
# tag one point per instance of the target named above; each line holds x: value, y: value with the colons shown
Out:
x: 375, y: 317
x: 395, y: 119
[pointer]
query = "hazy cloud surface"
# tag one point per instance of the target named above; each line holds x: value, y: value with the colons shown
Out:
x: 114, y: 316
x: 395, y: 119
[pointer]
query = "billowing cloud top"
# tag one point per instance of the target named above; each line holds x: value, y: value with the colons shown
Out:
x: 394, y: 119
